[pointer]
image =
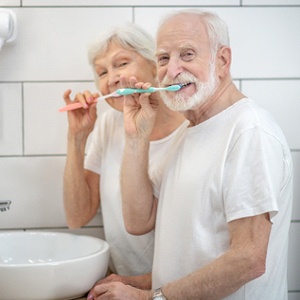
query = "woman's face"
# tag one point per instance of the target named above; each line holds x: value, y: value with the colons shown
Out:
x: 117, y: 61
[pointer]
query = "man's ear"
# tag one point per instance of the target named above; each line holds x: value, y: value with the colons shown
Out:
x: 224, y: 60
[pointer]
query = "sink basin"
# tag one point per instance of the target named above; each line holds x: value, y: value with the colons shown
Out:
x: 48, y: 265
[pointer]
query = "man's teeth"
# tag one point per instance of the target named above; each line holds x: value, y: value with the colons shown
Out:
x: 184, y: 84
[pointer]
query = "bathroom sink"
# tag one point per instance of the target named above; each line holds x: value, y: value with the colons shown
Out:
x: 48, y: 265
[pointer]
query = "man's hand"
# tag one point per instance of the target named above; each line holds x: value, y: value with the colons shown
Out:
x: 139, y: 110
x: 118, y: 291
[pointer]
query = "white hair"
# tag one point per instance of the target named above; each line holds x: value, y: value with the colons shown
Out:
x: 216, y: 28
x: 129, y: 36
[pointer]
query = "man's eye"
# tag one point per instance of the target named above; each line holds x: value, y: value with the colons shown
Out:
x: 188, y: 55
x: 162, y: 60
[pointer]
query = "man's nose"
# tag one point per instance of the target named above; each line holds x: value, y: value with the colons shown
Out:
x: 174, y: 67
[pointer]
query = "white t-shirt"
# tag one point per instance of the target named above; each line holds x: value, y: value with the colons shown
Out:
x: 236, y: 164
x: 130, y: 255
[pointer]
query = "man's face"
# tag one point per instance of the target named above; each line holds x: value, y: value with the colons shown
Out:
x: 184, y: 57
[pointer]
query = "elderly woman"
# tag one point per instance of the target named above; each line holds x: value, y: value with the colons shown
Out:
x: 88, y: 182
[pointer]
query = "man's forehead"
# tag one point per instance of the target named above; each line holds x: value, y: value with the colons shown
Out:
x: 180, y: 27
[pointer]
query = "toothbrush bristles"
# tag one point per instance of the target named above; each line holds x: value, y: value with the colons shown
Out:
x: 176, y: 87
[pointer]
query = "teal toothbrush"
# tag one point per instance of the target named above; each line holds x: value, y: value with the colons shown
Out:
x: 128, y: 91
x: 123, y: 92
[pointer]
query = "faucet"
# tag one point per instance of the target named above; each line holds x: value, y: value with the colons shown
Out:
x: 4, y: 205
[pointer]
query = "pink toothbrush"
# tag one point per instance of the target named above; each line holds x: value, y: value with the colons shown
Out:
x: 77, y: 105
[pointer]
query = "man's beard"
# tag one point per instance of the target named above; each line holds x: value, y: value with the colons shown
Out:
x: 205, y: 90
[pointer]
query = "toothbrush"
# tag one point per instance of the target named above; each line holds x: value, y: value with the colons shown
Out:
x: 77, y: 105
x: 171, y: 88
x: 123, y: 92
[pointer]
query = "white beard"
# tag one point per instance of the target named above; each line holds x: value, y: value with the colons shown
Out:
x: 204, y: 91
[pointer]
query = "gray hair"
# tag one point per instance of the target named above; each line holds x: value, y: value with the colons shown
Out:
x: 216, y: 28
x: 129, y: 36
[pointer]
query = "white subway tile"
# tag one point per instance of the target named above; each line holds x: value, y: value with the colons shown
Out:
x: 51, y: 44
x: 10, y: 119
x: 271, y: 2
x: 45, y: 129
x: 296, y: 202
x: 281, y: 98
x: 237, y: 83
x: 10, y: 3
x: 127, y: 3
x: 294, y: 258
x: 35, y: 187
x: 294, y: 296
x: 264, y: 40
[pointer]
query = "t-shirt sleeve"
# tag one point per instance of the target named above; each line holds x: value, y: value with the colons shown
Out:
x: 253, y: 176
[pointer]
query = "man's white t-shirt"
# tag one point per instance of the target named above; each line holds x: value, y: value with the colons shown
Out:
x: 234, y: 165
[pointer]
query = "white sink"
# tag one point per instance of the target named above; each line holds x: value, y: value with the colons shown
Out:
x: 50, y: 266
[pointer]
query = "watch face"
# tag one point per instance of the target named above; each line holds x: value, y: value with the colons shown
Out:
x: 158, y: 295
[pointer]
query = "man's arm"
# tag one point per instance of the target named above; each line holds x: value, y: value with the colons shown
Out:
x: 243, y: 262
x: 138, y: 202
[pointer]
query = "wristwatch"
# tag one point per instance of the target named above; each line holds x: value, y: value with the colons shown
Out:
x: 158, y: 295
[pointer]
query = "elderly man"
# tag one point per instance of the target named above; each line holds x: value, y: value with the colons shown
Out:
x: 223, y: 206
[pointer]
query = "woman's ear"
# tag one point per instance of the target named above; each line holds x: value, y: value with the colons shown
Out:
x: 224, y: 60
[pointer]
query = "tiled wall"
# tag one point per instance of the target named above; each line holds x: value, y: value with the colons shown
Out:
x: 49, y: 57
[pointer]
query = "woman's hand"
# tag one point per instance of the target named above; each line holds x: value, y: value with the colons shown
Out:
x: 82, y: 120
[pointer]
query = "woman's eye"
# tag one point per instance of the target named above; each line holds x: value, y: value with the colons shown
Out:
x: 123, y: 64
x: 101, y: 74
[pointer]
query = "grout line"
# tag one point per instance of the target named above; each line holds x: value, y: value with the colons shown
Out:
x: 157, y: 6
x: 162, y: 6
x: 51, y: 228
x: 91, y: 81
x: 23, y: 119
x: 64, y: 154
x: 33, y: 155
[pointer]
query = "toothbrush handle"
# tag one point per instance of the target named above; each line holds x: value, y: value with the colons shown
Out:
x: 70, y: 107
x: 129, y: 91
x: 73, y: 106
